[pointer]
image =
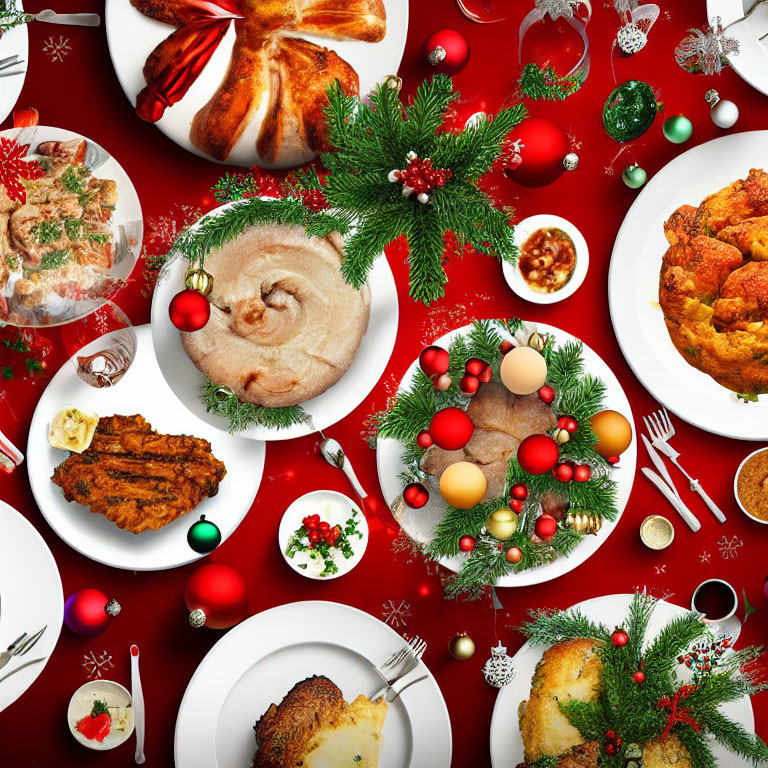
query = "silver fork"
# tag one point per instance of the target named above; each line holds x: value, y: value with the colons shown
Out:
x: 7, y: 63
x: 21, y: 645
x: 661, y: 429
x: 401, y: 663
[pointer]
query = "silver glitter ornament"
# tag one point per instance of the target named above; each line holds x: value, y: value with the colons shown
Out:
x: 571, y: 161
x: 499, y: 669
x: 631, y: 39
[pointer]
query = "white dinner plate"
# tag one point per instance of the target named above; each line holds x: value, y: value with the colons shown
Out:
x: 141, y: 391
x: 30, y: 598
x: 633, y: 287
x: 15, y: 42
x: 255, y: 665
x: 506, y: 741
x: 132, y: 36
x: 419, y: 524
x: 751, y: 62
x: 127, y: 223
x: 324, y: 410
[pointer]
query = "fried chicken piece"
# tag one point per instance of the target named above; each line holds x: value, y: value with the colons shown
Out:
x: 743, y: 199
x: 680, y: 226
x: 708, y: 262
x: 749, y: 236
x: 137, y: 478
x: 568, y: 671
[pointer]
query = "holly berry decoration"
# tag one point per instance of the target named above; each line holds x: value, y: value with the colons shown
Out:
x: 611, y: 749
x: 612, y: 459
x: 568, y: 423
x: 415, y: 495
x: 582, y: 473
x: 475, y: 366
x: 434, y: 361
x: 469, y: 384
x: 451, y: 429
x: 514, y: 555
x: 189, y: 310
x: 563, y: 472
x: 314, y: 200
x: 535, y: 151
x: 537, y: 454
x: 216, y: 597
x: 419, y: 178
x: 14, y: 169
x: 203, y: 536
x: 639, y: 676
x: 547, y: 394
x: 545, y: 527
x: 519, y: 491
x: 466, y: 543
x: 424, y: 439
x: 505, y: 347
x: 447, y: 51
x: 89, y: 611
x: 619, y: 638
x: 612, y: 743
x: 516, y: 505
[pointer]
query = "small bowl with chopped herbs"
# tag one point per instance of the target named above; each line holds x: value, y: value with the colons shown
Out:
x: 323, y: 535
x: 750, y: 486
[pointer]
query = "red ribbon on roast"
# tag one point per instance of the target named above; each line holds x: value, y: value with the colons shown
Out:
x: 677, y: 713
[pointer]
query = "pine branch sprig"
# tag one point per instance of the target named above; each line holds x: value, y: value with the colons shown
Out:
x: 544, y: 628
x: 538, y: 83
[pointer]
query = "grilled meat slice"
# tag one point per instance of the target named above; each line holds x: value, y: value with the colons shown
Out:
x: 137, y: 478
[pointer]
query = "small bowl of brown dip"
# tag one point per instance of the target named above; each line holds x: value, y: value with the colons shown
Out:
x: 750, y: 486
x: 552, y: 259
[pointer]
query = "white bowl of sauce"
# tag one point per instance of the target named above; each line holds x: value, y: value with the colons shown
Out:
x: 552, y: 259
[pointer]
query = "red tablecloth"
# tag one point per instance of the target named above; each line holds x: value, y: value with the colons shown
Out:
x: 76, y: 89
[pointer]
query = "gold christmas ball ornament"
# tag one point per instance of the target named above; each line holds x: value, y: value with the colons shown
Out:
x: 502, y: 523
x: 463, y: 485
x: 583, y: 522
x: 613, y: 432
x: 461, y: 646
x: 199, y: 280
x: 523, y: 370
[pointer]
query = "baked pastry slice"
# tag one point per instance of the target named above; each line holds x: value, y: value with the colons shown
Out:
x: 314, y: 727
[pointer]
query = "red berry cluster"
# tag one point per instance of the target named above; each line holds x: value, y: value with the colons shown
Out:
x: 518, y: 493
x: 476, y: 372
x: 509, y: 158
x: 420, y: 176
x: 612, y: 743
x: 314, y: 200
x: 319, y: 531
x: 547, y: 394
x: 566, y: 471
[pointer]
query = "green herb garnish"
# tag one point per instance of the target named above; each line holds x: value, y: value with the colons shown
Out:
x: 300, y: 542
x: 73, y: 179
x: 99, y: 708
x: 54, y: 260
x: 46, y: 232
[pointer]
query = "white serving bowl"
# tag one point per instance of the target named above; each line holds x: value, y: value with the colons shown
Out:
x: 736, y: 487
x: 116, y: 695
x: 514, y: 276
x: 312, y: 503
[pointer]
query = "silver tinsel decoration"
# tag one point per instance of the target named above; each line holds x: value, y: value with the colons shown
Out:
x: 631, y: 39
x: 706, y: 51
x: 499, y: 669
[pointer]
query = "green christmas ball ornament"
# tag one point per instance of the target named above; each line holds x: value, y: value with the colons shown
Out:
x: 629, y: 111
x: 677, y: 129
x: 203, y: 536
x: 634, y: 176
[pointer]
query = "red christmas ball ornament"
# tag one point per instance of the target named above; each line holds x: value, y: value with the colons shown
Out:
x: 451, y: 429
x: 537, y: 454
x: 469, y: 384
x: 442, y: 383
x: 545, y: 526
x: 582, y: 473
x: 189, y: 310
x: 466, y: 543
x: 88, y: 612
x: 415, y: 495
x: 547, y: 394
x: 505, y: 346
x: 619, y: 638
x: 519, y: 491
x: 516, y: 505
x: 434, y: 361
x: 447, y: 51
x: 216, y: 597
x: 486, y: 375
x: 424, y: 439
x: 541, y: 147
x: 564, y: 472
x: 639, y: 676
x: 514, y: 555
x: 567, y: 423
x: 475, y: 366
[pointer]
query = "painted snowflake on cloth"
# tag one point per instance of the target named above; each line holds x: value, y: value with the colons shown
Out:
x: 396, y: 615
x: 729, y: 548
x: 56, y: 49
x: 95, y: 664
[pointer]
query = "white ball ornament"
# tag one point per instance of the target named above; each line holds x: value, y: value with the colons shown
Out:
x: 631, y: 39
x: 523, y: 370
x: 724, y: 113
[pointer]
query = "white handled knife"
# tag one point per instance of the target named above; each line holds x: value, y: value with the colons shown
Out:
x: 681, y: 509
x: 658, y: 462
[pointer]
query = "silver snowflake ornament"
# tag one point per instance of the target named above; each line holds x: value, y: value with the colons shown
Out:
x: 499, y: 669
x: 557, y: 8
x: 706, y: 51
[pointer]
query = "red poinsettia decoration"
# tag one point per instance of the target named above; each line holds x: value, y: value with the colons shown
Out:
x: 13, y: 168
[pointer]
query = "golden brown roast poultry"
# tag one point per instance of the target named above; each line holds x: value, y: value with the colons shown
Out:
x: 266, y: 61
x: 713, y: 284
x: 314, y: 727
x: 137, y: 478
x: 502, y: 420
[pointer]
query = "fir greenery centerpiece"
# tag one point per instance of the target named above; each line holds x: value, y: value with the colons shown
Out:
x: 642, y: 699
x: 576, y: 394
x: 12, y: 16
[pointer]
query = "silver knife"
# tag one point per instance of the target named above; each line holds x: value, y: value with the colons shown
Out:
x: 73, y: 19
x: 681, y: 509
x: 658, y: 462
